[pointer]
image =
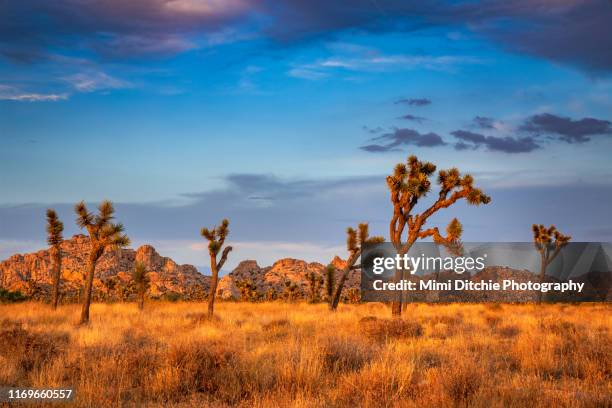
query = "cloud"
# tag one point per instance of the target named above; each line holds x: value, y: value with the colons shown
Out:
x: 403, y: 137
x: 566, y: 129
x: 95, y: 81
x: 111, y: 28
x: 575, y: 32
x: 507, y: 144
x: 9, y: 93
x: 305, y: 72
x: 414, y: 101
x: 375, y: 62
x: 484, y: 122
x: 418, y: 119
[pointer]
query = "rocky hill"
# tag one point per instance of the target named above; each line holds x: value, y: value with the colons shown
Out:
x: 274, y: 280
x: 31, y: 275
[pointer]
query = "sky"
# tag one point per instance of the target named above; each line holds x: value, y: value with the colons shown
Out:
x: 285, y: 117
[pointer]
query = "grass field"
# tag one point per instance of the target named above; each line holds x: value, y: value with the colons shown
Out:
x: 301, y: 355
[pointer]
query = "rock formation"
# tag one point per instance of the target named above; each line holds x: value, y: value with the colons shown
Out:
x: 31, y: 273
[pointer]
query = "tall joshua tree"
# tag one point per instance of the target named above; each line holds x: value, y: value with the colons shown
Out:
x: 547, y: 247
x: 216, y: 239
x: 142, y: 281
x: 330, y: 281
x: 54, y: 238
x: 354, y: 241
x: 103, y: 235
x: 407, y: 185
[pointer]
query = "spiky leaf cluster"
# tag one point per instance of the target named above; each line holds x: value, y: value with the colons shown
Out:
x: 216, y: 236
x: 140, y: 275
x: 410, y: 181
x: 548, y: 238
x: 102, y: 231
x: 54, y: 229
x: 355, y: 239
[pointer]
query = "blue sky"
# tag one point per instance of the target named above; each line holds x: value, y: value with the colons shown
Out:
x: 287, y: 118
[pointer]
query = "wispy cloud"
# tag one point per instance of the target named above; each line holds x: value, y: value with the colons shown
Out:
x: 91, y: 81
x: 9, y: 93
x: 375, y: 62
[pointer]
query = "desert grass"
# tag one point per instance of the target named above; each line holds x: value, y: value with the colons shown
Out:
x: 301, y: 355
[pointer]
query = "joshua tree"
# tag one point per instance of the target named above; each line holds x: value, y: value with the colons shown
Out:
x: 407, y: 185
x: 330, y: 281
x: 103, y: 235
x: 248, y: 291
x: 291, y: 291
x: 54, y: 238
x: 314, y: 281
x: 354, y: 241
x: 271, y: 294
x: 548, y: 249
x: 142, y: 281
x: 216, y: 239
x: 110, y: 285
x: 353, y: 295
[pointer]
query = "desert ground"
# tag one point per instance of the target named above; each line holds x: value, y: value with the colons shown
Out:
x: 301, y: 355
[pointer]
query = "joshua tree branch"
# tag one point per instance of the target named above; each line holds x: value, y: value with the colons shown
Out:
x: 224, y: 255
x: 442, y: 203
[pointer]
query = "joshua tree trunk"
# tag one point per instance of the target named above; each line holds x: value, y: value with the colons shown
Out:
x: 91, y: 268
x: 345, y: 272
x: 396, y: 306
x: 213, y: 287
x: 141, y: 301
x: 542, y: 277
x: 57, y: 271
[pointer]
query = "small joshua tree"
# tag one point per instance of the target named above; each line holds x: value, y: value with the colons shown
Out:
x: 330, y: 280
x: 248, y: 291
x: 548, y: 249
x: 110, y: 284
x: 407, y: 185
x: 314, y: 281
x: 291, y: 291
x: 142, y: 282
x: 103, y: 235
x: 354, y: 241
x: 54, y: 238
x: 216, y: 239
x: 353, y: 296
x: 271, y: 294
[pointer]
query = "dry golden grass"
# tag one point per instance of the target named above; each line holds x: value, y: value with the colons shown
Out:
x: 300, y: 355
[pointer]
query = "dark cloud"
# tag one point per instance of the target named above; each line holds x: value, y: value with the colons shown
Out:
x: 575, y: 32
x: 483, y: 122
x: 403, y: 137
x: 112, y: 28
x: 414, y: 101
x: 566, y: 129
x: 507, y: 144
x: 418, y: 119
x: 374, y: 130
